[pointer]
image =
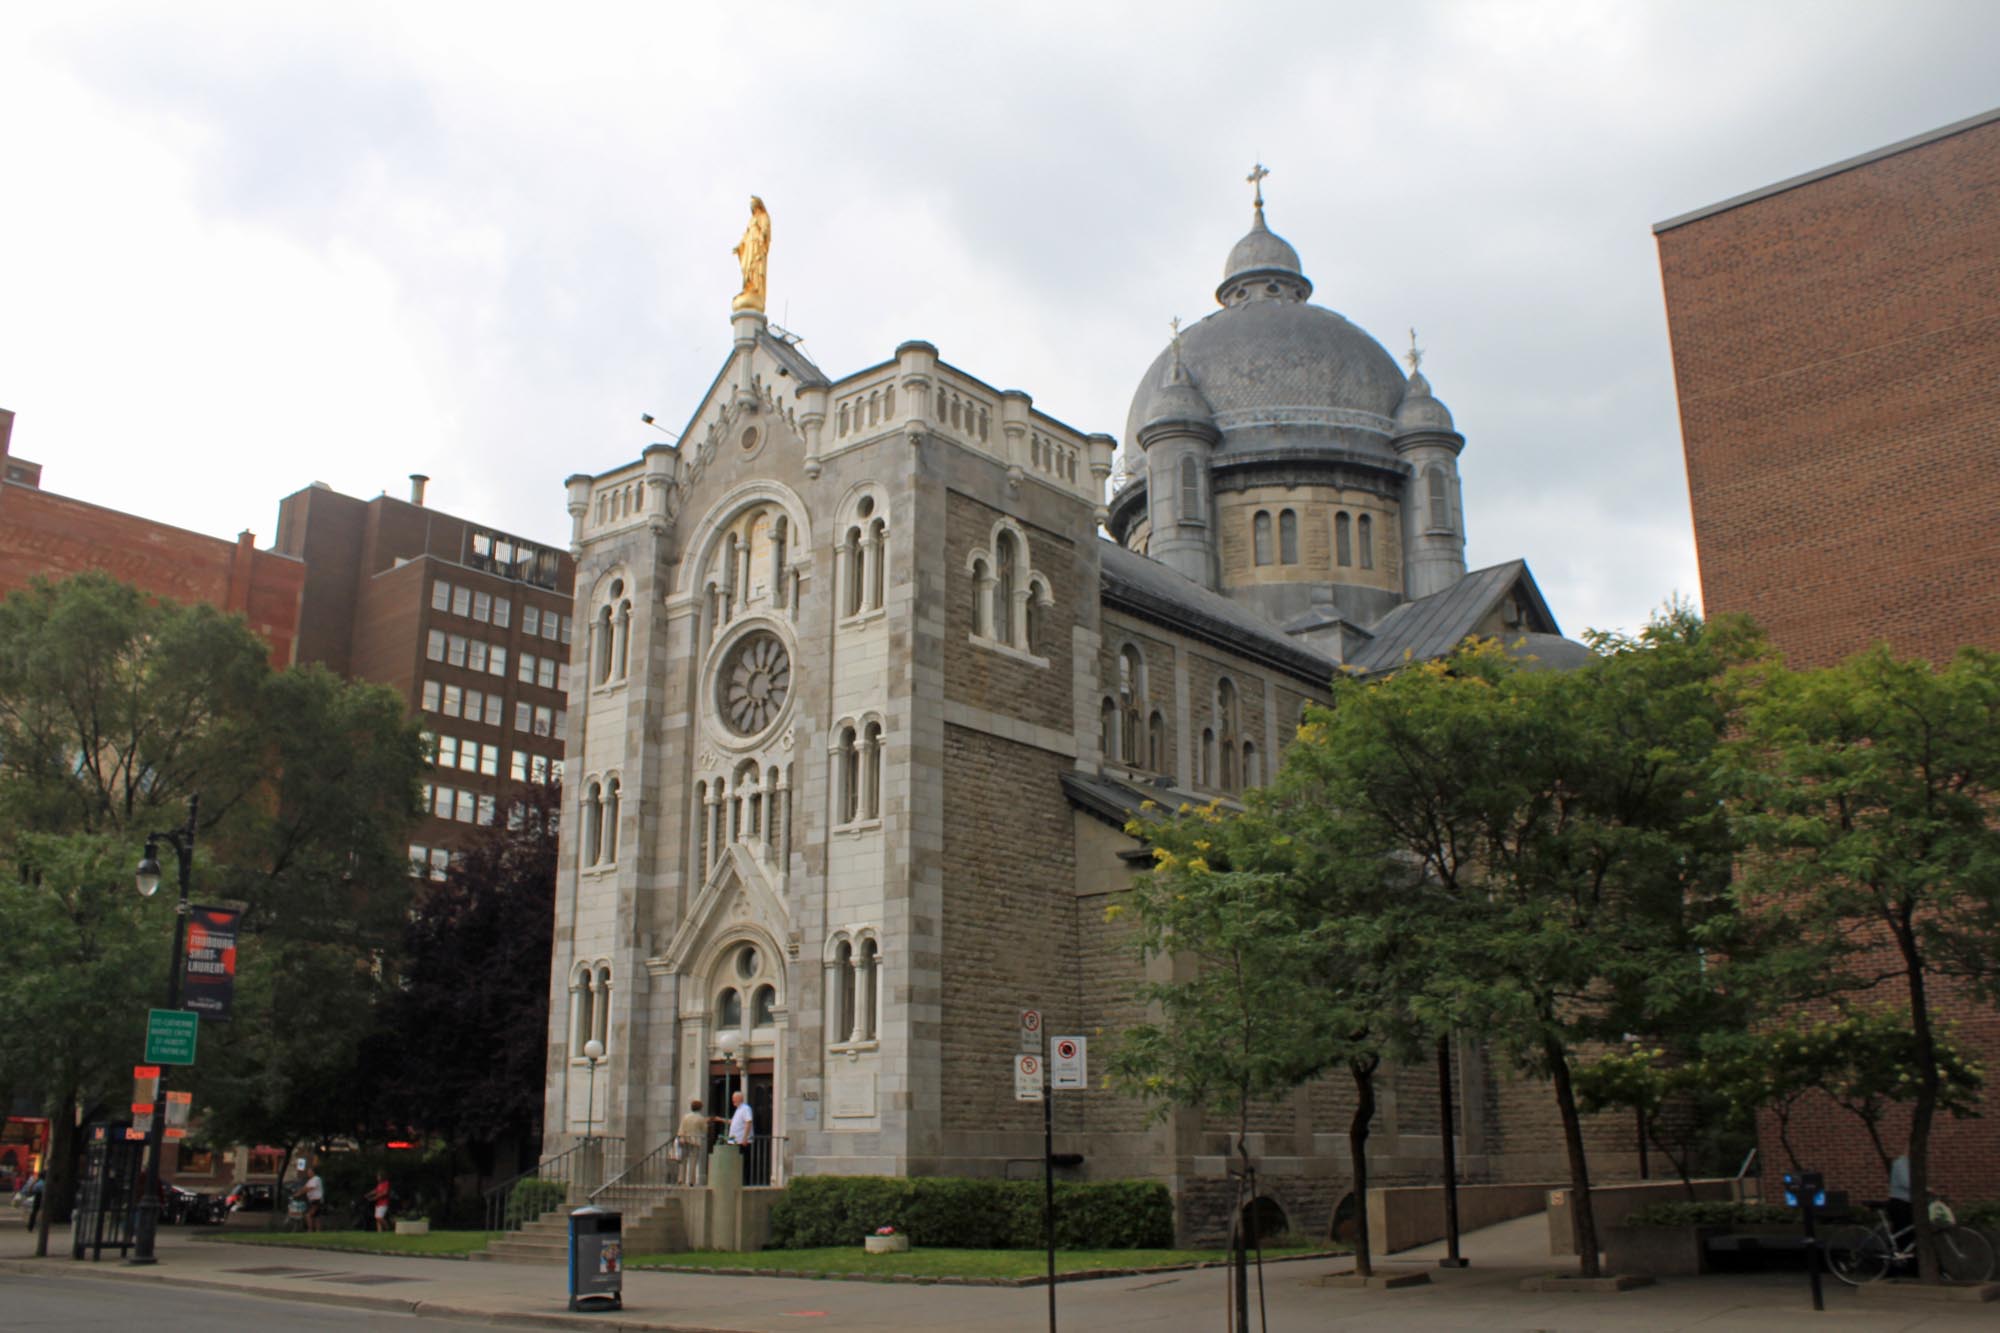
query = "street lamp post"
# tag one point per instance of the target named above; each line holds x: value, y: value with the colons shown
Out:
x: 593, y: 1051
x: 147, y: 880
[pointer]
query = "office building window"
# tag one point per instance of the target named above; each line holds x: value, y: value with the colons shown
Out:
x: 467, y: 807
x: 440, y: 595
x: 461, y: 601
x: 434, y: 646
x: 496, y: 661
x: 452, y: 696
x: 432, y: 694
x: 447, y: 752
x: 522, y: 716
x: 531, y: 620
x: 527, y: 669
x: 455, y: 652
x: 545, y: 673
x: 503, y: 612
x: 493, y: 705
x: 475, y: 656
x: 482, y: 607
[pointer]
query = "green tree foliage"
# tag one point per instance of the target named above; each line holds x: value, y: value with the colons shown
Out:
x: 1867, y: 795
x: 114, y: 709
x: 458, y: 1050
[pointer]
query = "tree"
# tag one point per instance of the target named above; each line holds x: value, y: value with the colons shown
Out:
x: 114, y: 710
x: 1866, y: 794
x: 1564, y: 824
x: 457, y: 1050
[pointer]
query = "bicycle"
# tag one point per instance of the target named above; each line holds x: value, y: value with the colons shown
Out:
x: 1859, y: 1254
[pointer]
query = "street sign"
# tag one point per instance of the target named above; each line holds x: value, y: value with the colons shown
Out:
x: 1027, y: 1078
x: 1067, y: 1061
x: 170, y: 1036
x: 142, y: 1117
x: 145, y: 1083
x: 1031, y: 1030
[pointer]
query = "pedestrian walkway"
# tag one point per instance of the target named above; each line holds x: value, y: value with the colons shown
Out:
x: 1485, y: 1297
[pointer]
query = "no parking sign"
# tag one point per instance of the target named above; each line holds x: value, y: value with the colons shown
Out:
x: 1067, y: 1070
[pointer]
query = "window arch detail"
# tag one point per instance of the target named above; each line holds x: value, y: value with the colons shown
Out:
x: 1010, y: 597
x: 589, y: 1006
x: 857, y: 753
x: 853, y: 962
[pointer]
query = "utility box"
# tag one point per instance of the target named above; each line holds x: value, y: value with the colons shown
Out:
x: 596, y: 1259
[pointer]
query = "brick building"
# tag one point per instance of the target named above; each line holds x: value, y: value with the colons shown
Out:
x: 1836, y: 343
x: 470, y: 624
x: 54, y: 536
x: 864, y: 700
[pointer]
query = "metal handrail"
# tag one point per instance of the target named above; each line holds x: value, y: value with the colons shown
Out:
x: 659, y: 1169
x: 508, y: 1207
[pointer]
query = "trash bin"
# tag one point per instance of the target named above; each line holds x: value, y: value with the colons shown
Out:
x: 596, y: 1259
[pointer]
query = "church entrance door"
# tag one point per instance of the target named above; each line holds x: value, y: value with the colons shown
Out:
x: 723, y: 1080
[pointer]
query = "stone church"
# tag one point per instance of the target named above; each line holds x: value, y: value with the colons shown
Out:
x: 878, y: 666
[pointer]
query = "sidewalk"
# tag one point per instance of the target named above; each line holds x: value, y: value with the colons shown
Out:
x: 1484, y: 1297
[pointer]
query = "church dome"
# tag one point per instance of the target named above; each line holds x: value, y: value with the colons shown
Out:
x: 1274, y: 371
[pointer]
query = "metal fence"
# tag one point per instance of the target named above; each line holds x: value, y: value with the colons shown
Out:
x: 566, y: 1179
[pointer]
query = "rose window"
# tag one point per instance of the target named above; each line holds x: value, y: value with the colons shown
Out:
x: 753, y: 683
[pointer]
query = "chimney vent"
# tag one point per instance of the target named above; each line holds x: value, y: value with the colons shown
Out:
x: 417, y: 480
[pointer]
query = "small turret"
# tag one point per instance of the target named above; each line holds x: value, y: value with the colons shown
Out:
x: 1433, y: 513
x: 1177, y: 437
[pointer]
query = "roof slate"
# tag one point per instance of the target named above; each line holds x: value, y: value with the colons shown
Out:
x: 1147, y: 588
x: 1433, y: 626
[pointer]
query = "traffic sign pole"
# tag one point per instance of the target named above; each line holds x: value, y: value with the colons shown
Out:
x: 1049, y: 1185
x: 182, y: 841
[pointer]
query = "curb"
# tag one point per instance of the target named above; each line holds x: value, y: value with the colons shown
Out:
x: 325, y: 1249
x: 946, y: 1280
x: 351, y: 1301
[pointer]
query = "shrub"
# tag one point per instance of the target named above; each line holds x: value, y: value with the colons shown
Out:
x: 972, y: 1213
x: 532, y: 1197
x: 1710, y: 1213
x: 1985, y: 1216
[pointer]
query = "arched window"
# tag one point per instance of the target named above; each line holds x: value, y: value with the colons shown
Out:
x: 1225, y: 708
x: 1207, y: 776
x: 1343, y: 538
x: 868, y: 988
x: 1156, y: 742
x: 982, y: 597
x: 871, y: 771
x: 1251, y: 774
x: 582, y: 1023
x: 600, y: 1018
x: 851, y: 554
x: 1365, y: 530
x: 593, y: 822
x: 1440, y: 498
x: 1131, y: 700
x: 1288, y: 537
x: 1034, y: 612
x: 611, y: 791
x: 849, y: 759
x: 624, y: 638
x: 702, y: 851
x: 1260, y: 537
x: 1190, y: 490
x: 602, y: 634
x: 840, y: 1002
x: 1005, y: 573
x: 878, y: 556
x: 729, y: 1011
x: 1107, y: 718
x: 763, y: 1007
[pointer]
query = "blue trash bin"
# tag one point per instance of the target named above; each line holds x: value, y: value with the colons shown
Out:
x: 596, y: 1259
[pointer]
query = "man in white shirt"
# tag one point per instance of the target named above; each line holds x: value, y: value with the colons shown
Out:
x: 742, y: 1122
x: 315, y: 1200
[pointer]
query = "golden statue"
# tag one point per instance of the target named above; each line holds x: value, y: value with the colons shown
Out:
x: 753, y: 252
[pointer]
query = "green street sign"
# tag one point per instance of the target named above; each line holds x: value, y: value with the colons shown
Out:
x: 170, y: 1035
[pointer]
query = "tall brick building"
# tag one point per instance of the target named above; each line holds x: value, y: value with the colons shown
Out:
x: 54, y: 536
x: 470, y: 624
x: 1836, y: 342
x: 863, y: 701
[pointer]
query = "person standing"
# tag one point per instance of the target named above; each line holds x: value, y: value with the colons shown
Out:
x: 691, y: 1139
x: 315, y: 1199
x: 378, y: 1196
x: 32, y: 1192
x: 742, y: 1130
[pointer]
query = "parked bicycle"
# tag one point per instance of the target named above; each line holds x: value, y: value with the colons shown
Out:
x: 1859, y: 1254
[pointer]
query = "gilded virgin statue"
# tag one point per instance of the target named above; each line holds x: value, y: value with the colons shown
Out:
x: 753, y: 252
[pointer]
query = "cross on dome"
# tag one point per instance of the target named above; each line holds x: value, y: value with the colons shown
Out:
x: 1258, y: 171
x: 1415, y: 356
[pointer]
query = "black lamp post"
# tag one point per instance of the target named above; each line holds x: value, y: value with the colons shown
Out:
x: 148, y: 883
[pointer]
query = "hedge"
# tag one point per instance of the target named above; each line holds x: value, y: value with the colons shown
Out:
x: 1710, y: 1213
x: 973, y: 1214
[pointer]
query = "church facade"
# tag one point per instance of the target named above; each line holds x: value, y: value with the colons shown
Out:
x: 867, y: 696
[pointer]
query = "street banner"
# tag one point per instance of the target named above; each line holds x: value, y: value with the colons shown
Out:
x: 211, y: 962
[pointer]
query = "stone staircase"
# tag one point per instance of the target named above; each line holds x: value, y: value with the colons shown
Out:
x: 652, y: 1225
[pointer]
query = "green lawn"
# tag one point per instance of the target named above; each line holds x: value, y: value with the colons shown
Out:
x: 920, y: 1262
x: 383, y: 1242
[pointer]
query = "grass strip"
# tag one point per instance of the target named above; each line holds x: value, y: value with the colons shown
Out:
x: 844, y: 1261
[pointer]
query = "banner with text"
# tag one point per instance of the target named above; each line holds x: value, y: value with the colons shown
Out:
x: 211, y: 962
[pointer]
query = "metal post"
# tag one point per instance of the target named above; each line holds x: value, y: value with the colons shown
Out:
x: 1452, y: 1258
x: 1049, y: 1185
x: 147, y: 1224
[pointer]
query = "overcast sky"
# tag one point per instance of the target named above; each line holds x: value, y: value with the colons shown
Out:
x: 245, y: 247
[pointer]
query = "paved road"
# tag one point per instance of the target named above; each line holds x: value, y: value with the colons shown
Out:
x: 35, y: 1304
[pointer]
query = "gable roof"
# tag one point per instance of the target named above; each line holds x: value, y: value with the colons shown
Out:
x: 1146, y: 588
x: 1433, y: 626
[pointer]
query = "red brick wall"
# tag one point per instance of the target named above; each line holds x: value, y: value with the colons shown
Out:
x: 54, y: 536
x: 1837, y: 354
